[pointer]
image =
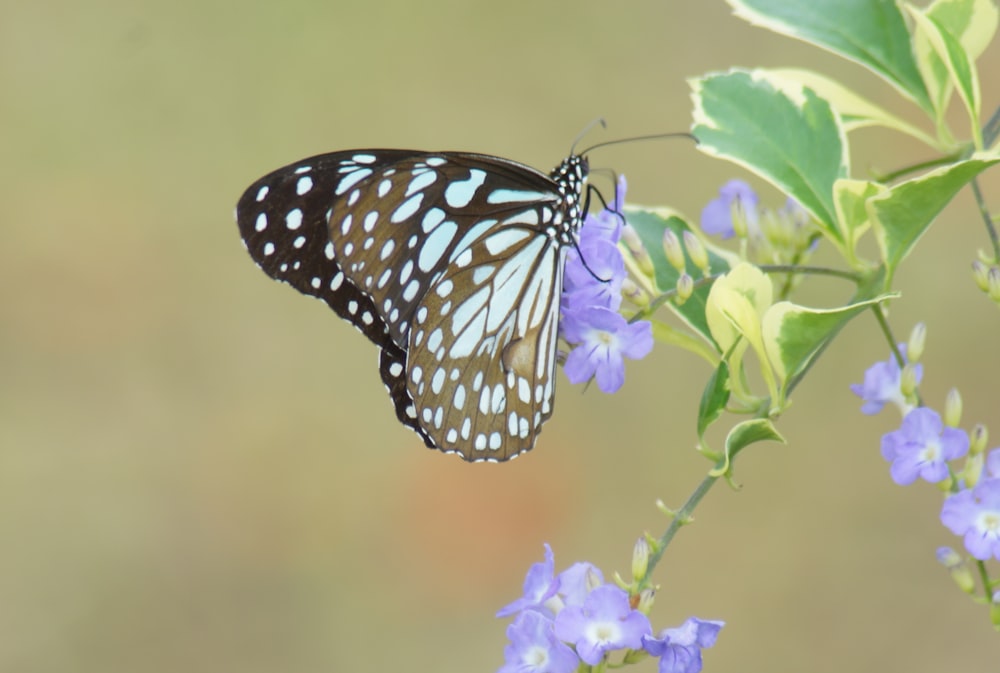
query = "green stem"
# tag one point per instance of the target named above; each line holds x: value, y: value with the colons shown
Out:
x: 681, y: 517
x: 984, y: 211
x: 913, y: 168
x: 984, y: 577
x: 992, y: 129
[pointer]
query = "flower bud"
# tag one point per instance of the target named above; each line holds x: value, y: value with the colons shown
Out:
x: 953, y: 408
x: 696, y: 251
x: 630, y: 237
x: 685, y: 288
x: 673, y: 250
x: 980, y: 273
x: 908, y: 380
x: 739, y: 219
x: 993, y: 283
x: 995, y: 609
x: 645, y: 602
x: 915, y: 346
x: 972, y: 470
x: 640, y: 560
x: 960, y: 573
x: 978, y: 439
x: 634, y: 293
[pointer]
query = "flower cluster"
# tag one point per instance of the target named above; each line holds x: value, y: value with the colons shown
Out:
x: 573, y: 617
x: 592, y: 295
x: 783, y: 236
x: 925, y: 447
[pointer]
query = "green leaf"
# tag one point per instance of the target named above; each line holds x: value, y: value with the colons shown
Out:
x: 855, y: 110
x: 743, y: 435
x: 650, y: 225
x: 794, y: 335
x: 902, y: 214
x: 959, y: 64
x: 872, y: 33
x: 777, y: 129
x: 972, y: 22
x: 713, y: 398
x: 851, y: 199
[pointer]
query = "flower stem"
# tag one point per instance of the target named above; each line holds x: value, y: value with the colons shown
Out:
x: 681, y: 517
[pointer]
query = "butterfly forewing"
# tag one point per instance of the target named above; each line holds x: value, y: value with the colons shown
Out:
x: 450, y: 262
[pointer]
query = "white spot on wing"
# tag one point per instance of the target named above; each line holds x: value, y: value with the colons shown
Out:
x: 406, y: 209
x: 461, y: 192
x: 515, y: 195
x: 352, y: 179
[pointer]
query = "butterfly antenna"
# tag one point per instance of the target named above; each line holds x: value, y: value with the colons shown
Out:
x: 586, y: 129
x: 655, y: 136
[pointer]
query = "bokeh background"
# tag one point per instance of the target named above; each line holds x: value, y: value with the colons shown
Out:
x: 199, y: 469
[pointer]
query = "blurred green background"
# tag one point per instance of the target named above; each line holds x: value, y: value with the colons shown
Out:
x: 199, y: 468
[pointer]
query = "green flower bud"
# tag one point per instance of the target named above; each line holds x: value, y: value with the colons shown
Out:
x: 953, y: 408
x: 908, y: 380
x: 634, y: 293
x: 978, y: 439
x: 980, y: 273
x: 640, y: 560
x: 993, y: 283
x: 685, y: 288
x: 672, y: 248
x: 915, y: 346
x: 630, y: 237
x: 973, y: 470
x: 696, y: 251
x: 958, y: 569
x: 645, y: 602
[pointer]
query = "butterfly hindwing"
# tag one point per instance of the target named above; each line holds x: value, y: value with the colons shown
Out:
x: 484, y: 380
x: 450, y: 262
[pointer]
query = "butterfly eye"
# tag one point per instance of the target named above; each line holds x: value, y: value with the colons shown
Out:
x: 451, y: 263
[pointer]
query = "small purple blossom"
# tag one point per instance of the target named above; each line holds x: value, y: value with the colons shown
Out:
x: 540, y: 584
x: 577, y: 581
x: 604, y: 622
x: 975, y: 515
x: 882, y: 384
x: 599, y: 282
x: 680, y: 649
x: 922, y: 447
x: 717, y: 216
x: 534, y: 647
x: 604, y: 340
x: 993, y: 464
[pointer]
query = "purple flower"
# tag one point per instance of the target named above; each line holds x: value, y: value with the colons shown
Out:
x: 604, y: 339
x: 881, y: 385
x: 577, y: 581
x: 540, y: 584
x: 607, y: 224
x: 717, y: 216
x: 596, y: 280
x: 993, y: 464
x: 534, y: 647
x: 603, y: 623
x: 680, y: 649
x: 975, y: 515
x: 922, y: 447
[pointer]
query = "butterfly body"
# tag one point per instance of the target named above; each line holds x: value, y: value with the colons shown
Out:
x: 450, y: 262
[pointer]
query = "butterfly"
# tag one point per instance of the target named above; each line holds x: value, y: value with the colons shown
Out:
x: 450, y: 262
